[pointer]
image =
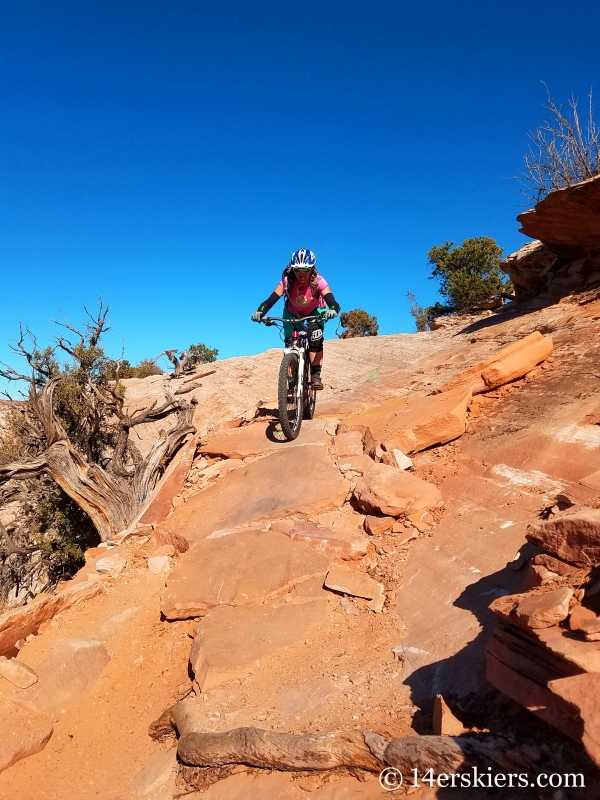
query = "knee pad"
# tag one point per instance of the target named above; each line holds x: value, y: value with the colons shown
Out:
x: 315, y: 337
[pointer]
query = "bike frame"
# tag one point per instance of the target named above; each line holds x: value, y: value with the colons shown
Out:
x: 299, y: 343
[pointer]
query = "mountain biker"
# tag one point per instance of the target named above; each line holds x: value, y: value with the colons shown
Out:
x: 306, y: 293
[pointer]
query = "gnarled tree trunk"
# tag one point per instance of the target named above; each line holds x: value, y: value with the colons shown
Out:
x: 113, y: 497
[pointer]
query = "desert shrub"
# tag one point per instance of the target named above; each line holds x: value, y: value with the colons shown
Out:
x: 469, y: 272
x: 358, y: 323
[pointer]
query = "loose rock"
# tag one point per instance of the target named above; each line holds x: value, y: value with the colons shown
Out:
x: 17, y: 673
x: 544, y: 610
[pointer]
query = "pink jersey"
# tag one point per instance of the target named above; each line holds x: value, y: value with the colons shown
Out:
x: 302, y: 303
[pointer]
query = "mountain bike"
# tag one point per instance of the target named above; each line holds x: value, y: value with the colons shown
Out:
x: 296, y: 398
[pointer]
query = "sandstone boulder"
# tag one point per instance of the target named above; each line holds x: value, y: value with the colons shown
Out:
x: 291, y: 480
x: 376, y: 525
x: 24, y: 733
x: 585, y: 621
x: 396, y: 458
x: 411, y: 424
x: 111, y: 565
x: 228, y: 641
x: 392, y: 492
x: 17, y: 673
x: 544, y: 610
x: 66, y: 675
x: 351, y: 581
x: 248, y: 567
x: 531, y: 269
x: 574, y: 538
x: 567, y: 220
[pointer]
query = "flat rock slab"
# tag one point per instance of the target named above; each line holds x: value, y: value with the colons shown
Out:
x: 307, y: 697
x: 582, y: 654
x: 581, y: 693
x: 20, y: 622
x: 392, y: 492
x: 243, y: 568
x: 65, y: 676
x: 350, y: 581
x: 229, y: 641
x: 338, y: 542
x: 18, y: 674
x: 349, y: 444
x: 292, y: 480
x: 574, y: 538
x: 24, y: 733
x: 260, y: 438
x: 414, y: 423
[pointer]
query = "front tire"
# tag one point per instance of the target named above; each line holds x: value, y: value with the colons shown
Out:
x: 290, y: 408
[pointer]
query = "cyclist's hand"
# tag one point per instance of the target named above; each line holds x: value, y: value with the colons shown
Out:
x: 329, y: 314
x: 257, y: 316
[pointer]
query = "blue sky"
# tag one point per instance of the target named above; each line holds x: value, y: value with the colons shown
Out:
x: 169, y: 156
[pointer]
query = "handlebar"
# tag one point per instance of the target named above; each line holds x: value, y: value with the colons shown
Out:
x: 293, y: 322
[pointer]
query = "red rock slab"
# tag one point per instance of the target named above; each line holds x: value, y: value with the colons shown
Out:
x: 20, y: 622
x: 583, y: 655
x: 337, y: 542
x: 349, y: 444
x: 537, y: 697
x: 581, y: 694
x: 593, y: 480
x: 517, y: 364
x: 351, y: 581
x: 65, y: 676
x: 574, y: 538
x: 376, y: 525
x: 249, y: 567
x: 449, y: 581
x: 415, y: 423
x: 472, y: 377
x: 554, y: 564
x: 585, y: 621
x: 24, y: 733
x: 17, y: 673
x: 567, y: 220
x: 292, y: 480
x: 392, y: 492
x: 160, y: 502
x: 259, y: 438
x: 229, y: 641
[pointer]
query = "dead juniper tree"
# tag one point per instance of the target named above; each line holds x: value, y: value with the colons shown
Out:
x: 76, y: 426
x: 565, y: 151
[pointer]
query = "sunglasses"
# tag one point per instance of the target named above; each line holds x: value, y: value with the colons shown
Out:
x: 302, y: 270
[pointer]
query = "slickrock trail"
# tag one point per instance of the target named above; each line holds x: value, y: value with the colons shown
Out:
x: 312, y: 598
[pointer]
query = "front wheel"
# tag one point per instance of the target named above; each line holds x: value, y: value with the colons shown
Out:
x: 290, y: 400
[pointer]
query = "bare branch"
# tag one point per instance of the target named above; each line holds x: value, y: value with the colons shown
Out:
x: 564, y: 153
